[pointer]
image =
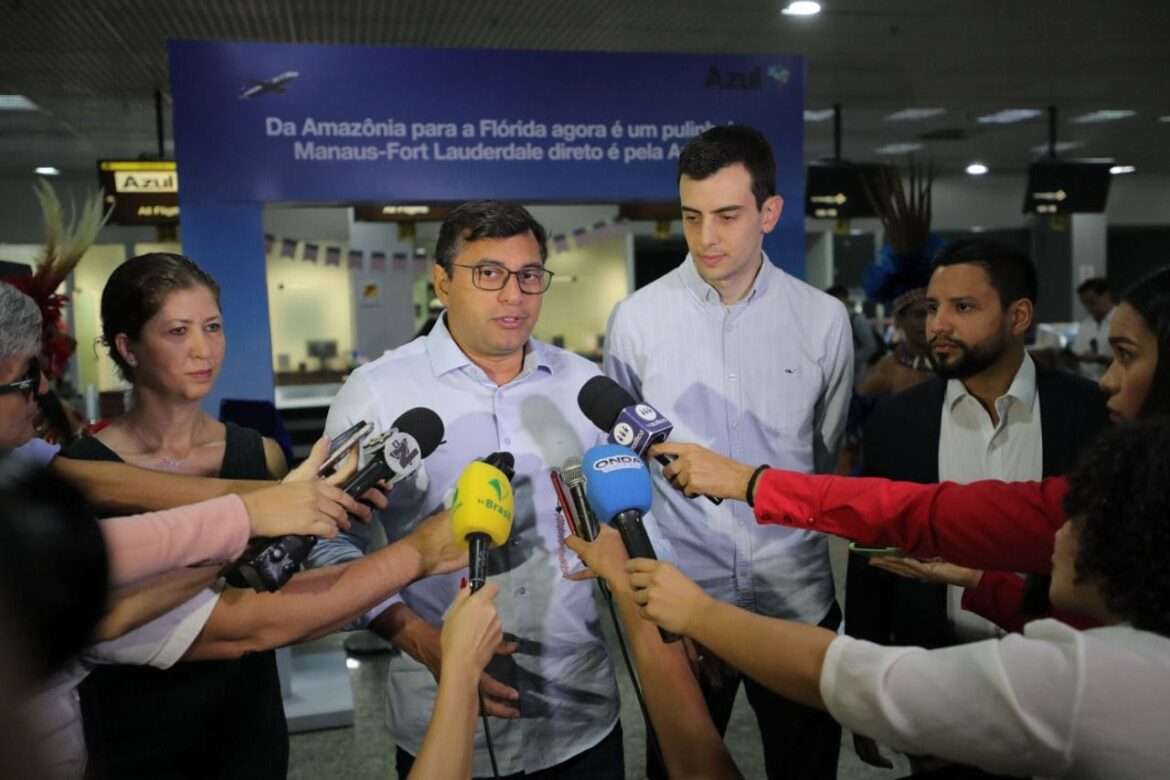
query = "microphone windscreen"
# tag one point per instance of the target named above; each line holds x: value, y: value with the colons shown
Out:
x: 601, y: 400
x: 482, y: 503
x: 616, y: 480
x: 424, y: 425
x: 571, y: 472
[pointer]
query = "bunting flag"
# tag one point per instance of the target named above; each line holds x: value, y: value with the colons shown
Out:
x: 269, y: 240
x: 288, y: 248
x: 581, y: 237
x: 310, y: 253
x: 333, y: 255
x: 560, y: 242
x: 356, y: 260
x: 421, y: 258
x: 378, y: 261
x: 399, y: 261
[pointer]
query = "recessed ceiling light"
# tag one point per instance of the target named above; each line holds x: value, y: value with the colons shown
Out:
x: 47, y: 170
x: 1118, y: 170
x: 899, y: 148
x: 1061, y: 147
x: 1008, y: 116
x: 802, y: 8
x: 1104, y: 115
x: 818, y: 114
x: 16, y: 103
x: 1164, y: 118
x: 977, y: 169
x: 913, y: 114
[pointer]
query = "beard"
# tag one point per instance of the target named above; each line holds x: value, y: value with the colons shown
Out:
x: 970, y: 360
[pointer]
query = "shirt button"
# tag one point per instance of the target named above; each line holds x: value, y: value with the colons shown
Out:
x: 521, y: 590
x: 507, y: 440
x: 732, y: 377
x: 812, y: 521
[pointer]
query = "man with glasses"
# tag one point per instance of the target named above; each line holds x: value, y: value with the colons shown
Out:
x: 21, y: 379
x: 552, y: 690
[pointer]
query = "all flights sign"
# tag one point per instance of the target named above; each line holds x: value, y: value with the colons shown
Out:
x: 141, y: 192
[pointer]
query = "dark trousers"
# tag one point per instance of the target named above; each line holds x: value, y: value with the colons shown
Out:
x: 606, y: 760
x: 799, y: 742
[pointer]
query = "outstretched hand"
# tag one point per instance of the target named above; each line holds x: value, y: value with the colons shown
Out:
x: 666, y: 596
x: 697, y: 470
x: 929, y: 571
x: 605, y: 556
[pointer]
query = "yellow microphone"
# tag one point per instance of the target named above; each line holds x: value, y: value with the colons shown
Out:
x: 481, y: 510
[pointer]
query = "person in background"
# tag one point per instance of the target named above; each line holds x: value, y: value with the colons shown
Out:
x: 908, y: 364
x: 867, y: 344
x: 757, y: 365
x: 989, y: 414
x: 162, y: 326
x: 1091, y: 345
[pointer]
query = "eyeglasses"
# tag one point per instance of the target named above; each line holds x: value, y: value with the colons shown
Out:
x: 29, y: 385
x: 533, y: 280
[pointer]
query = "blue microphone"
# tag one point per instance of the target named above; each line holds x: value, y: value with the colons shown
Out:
x: 617, y: 485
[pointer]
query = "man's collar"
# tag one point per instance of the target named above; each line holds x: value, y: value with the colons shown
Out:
x: 703, y: 290
x: 446, y: 356
x: 1022, y: 388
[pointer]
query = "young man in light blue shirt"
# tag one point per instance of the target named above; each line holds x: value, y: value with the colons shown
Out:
x: 756, y: 365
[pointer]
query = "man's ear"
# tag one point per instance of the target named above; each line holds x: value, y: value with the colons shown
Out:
x: 770, y: 212
x: 1021, y: 314
x: 441, y: 282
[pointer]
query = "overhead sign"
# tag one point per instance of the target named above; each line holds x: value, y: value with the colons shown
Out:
x: 141, y: 192
x: 1067, y: 187
x: 400, y: 212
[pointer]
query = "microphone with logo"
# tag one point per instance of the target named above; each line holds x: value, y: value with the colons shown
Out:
x: 268, y: 564
x: 618, y: 486
x: 481, y: 510
x: 638, y: 426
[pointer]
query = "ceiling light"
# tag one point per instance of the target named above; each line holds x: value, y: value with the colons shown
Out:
x: 1118, y: 170
x: 16, y: 103
x: 48, y: 170
x: 1008, y: 116
x: 899, y: 148
x: 1164, y: 118
x: 977, y: 169
x: 913, y: 114
x: 1104, y: 115
x: 1061, y: 147
x: 817, y: 115
x: 802, y: 8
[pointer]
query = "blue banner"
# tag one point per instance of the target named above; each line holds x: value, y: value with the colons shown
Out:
x: 277, y: 122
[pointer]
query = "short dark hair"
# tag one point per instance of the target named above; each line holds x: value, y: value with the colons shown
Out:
x: 838, y: 291
x: 479, y: 219
x: 1119, y: 498
x: 725, y: 145
x: 1151, y: 299
x: 1096, y: 285
x: 136, y: 291
x: 1011, y: 272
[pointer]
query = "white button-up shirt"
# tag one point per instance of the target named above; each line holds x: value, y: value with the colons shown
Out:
x: 1093, y: 337
x: 765, y: 380
x: 1051, y: 702
x: 568, y: 694
x: 971, y: 448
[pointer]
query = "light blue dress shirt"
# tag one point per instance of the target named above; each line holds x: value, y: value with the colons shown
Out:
x: 765, y: 380
x: 568, y: 694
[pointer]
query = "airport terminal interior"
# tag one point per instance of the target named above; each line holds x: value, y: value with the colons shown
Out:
x: 1037, y: 125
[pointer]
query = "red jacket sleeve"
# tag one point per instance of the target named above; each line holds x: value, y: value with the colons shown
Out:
x: 1008, y: 526
x: 999, y: 597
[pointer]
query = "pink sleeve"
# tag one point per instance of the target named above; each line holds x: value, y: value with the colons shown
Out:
x: 144, y: 545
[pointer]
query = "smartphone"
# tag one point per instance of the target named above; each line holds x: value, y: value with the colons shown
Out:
x: 341, y: 445
x: 877, y: 552
x: 564, y: 503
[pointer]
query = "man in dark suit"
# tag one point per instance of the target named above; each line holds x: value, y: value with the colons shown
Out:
x: 990, y: 413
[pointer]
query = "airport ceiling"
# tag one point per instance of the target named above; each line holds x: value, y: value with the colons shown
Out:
x: 92, y: 66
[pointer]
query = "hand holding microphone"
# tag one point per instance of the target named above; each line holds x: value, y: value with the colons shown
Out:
x: 481, y: 511
x: 618, y: 486
x: 638, y: 426
x: 268, y: 564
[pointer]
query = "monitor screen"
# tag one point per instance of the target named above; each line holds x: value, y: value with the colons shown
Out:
x: 837, y: 191
x: 1067, y: 188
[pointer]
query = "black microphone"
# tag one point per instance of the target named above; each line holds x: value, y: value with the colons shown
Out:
x: 638, y: 426
x: 268, y: 564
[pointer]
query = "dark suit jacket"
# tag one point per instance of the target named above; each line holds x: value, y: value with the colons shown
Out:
x: 901, y: 442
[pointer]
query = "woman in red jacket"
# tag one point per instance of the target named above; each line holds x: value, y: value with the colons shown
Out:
x: 981, y: 525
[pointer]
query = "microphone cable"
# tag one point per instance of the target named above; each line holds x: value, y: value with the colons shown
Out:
x: 487, y: 733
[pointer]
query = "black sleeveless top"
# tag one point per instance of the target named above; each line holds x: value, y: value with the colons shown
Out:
x: 198, y: 719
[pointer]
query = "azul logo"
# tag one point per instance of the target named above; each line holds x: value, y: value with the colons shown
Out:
x: 623, y: 434
x: 647, y: 413
x: 745, y: 79
x: 146, y: 181
x: 616, y: 463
